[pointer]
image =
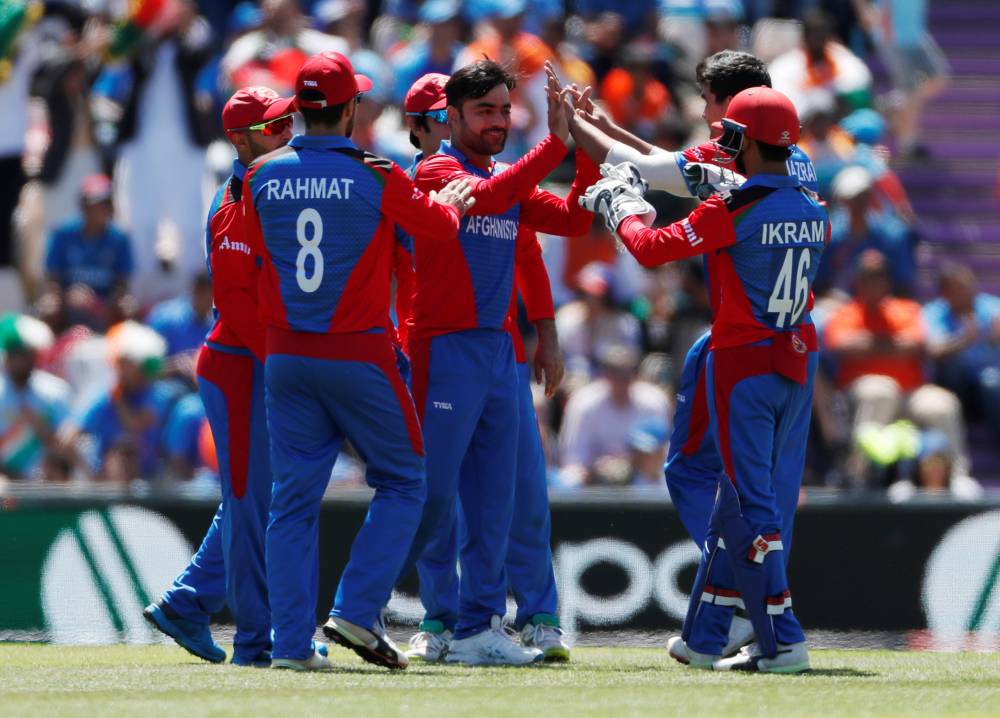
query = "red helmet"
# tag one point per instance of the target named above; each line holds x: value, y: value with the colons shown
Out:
x: 762, y: 114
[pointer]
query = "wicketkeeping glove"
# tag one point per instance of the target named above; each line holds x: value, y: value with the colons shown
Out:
x: 614, y: 200
x: 705, y: 180
x: 628, y: 173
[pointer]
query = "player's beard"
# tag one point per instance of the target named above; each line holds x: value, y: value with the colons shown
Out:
x: 490, y: 141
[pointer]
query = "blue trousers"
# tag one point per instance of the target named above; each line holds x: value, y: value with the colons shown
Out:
x: 313, y: 404
x: 529, y: 552
x: 229, y: 566
x: 756, y: 416
x: 466, y: 384
x: 694, y: 466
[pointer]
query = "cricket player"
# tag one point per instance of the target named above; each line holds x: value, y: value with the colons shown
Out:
x: 529, y: 554
x: 767, y: 238
x: 464, y: 377
x: 229, y: 566
x: 693, y: 463
x: 321, y: 213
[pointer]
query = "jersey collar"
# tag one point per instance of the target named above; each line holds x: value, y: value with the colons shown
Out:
x: 447, y: 148
x: 322, y: 142
x: 776, y: 181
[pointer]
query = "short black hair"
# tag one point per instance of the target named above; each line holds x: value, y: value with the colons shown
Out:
x: 774, y: 153
x: 324, y: 115
x: 475, y: 80
x: 729, y: 72
x: 421, y: 122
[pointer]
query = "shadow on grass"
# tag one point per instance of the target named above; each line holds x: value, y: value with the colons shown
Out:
x: 840, y: 672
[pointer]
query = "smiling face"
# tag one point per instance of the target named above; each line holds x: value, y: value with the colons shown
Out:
x: 480, y: 126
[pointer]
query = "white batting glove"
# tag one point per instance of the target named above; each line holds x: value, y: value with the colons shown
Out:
x: 628, y: 173
x: 705, y: 180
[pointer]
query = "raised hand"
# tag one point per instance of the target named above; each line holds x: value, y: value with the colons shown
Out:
x: 457, y: 194
x: 557, y: 107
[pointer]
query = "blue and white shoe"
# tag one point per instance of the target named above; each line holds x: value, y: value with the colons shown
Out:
x: 195, y: 638
x: 316, y: 662
x: 261, y: 660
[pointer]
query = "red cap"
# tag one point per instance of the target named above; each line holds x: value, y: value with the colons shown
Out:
x: 332, y: 75
x: 251, y: 106
x: 427, y: 94
x: 96, y: 188
x: 768, y: 115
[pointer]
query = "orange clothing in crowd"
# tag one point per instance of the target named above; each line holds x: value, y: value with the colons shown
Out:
x: 898, y: 318
x: 626, y: 103
x: 529, y: 51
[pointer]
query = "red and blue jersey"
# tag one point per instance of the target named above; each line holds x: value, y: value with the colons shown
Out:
x: 467, y: 281
x: 323, y: 213
x: 766, y: 239
x: 235, y: 270
x: 799, y: 165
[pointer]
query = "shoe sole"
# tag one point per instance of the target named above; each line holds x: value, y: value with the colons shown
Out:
x: 366, y: 653
x: 795, y: 668
x: 152, y: 620
x: 285, y: 664
x: 556, y: 655
x: 479, y: 662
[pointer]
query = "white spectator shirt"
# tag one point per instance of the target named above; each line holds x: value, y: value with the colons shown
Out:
x: 594, y: 427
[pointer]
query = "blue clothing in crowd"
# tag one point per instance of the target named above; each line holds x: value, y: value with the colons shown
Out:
x: 175, y: 320
x: 98, y: 262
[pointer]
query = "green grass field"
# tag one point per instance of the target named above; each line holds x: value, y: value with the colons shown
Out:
x: 38, y: 680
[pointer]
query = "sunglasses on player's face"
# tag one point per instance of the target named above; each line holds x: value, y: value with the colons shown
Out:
x: 439, y: 116
x: 269, y: 128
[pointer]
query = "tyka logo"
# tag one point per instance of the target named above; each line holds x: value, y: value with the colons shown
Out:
x: 445, y: 405
x: 103, y: 569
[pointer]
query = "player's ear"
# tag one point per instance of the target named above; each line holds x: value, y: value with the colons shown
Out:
x: 454, y: 114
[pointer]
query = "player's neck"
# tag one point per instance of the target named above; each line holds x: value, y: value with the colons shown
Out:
x: 768, y: 168
x: 479, y: 160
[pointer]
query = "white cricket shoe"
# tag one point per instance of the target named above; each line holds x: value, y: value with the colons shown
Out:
x: 741, y: 633
x: 492, y: 647
x: 428, y: 645
x: 547, y: 638
x: 791, y: 658
x: 316, y: 662
x: 680, y: 652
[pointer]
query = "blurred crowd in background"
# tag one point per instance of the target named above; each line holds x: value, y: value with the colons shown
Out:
x: 111, y: 146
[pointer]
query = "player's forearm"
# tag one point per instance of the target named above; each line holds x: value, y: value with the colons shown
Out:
x: 519, y: 181
x: 414, y: 211
x: 654, y: 247
x: 661, y: 169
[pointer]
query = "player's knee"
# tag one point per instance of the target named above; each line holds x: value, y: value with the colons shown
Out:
x: 931, y: 405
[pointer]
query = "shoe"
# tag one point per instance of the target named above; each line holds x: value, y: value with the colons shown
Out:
x: 791, y: 658
x: 741, y: 633
x: 492, y: 647
x: 544, y: 633
x: 261, y: 660
x: 316, y: 662
x: 195, y: 638
x: 372, y: 647
x: 680, y: 652
x: 430, y: 643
